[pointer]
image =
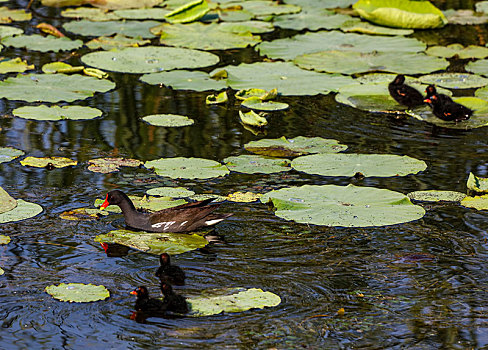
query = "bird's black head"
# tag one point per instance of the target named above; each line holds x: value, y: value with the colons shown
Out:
x: 166, y: 288
x: 140, y: 291
x: 430, y: 90
x: 399, y: 79
x: 164, y: 259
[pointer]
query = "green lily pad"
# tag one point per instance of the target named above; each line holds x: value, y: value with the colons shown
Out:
x: 216, y: 98
x: 252, y: 164
x: 341, y: 164
x: 262, y: 94
x: 8, y: 153
x: 173, y: 192
x: 77, y: 292
x: 7, y: 203
x: 155, y: 243
x: 52, y: 87
x: 312, y: 20
x: 15, y: 65
x: 478, y: 67
x: 89, y: 13
x: 254, y: 27
x: 202, y: 196
x: 258, y: 104
x: 56, y: 162
x: 350, y: 62
x: 7, y: 15
x: 481, y: 6
x: 347, y: 206
x: 401, y: 13
x: 142, y: 13
x: 477, y: 184
x: 284, y: 76
x: 234, y: 15
x: 236, y: 302
x: 356, y: 26
x: 253, y: 119
x: 455, y: 80
x: 202, y: 36
x: 477, y: 202
x: 471, y: 51
x: 266, y: 8
x: 37, y: 42
x: 123, y: 4
x: 189, y: 12
x: 146, y: 203
x: 9, y: 31
x: 110, y: 165
x: 298, y: 146
x: 4, y: 239
x: 84, y: 214
x: 482, y: 93
x: 465, y: 17
x: 149, y: 59
x: 168, y: 120
x: 184, y: 80
x: 436, y: 196
x: 187, y: 168
x: 243, y: 197
x: 44, y: 112
x: 290, y: 48
x: 317, y: 4
x: 127, y: 28
x: 60, y: 67
x: 23, y: 210
x: 117, y: 42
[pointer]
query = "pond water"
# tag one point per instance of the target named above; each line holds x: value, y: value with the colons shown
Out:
x: 419, y: 285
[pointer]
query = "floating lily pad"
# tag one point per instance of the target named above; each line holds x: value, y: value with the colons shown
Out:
x: 117, y: 42
x: 258, y: 104
x: 477, y: 184
x: 266, y: 8
x: 482, y: 93
x: 465, y: 17
x: 15, y: 65
x: 122, y: 4
x: 481, y: 6
x: 23, y: 210
x: 202, y: 36
x: 236, y: 302
x: 56, y: 162
x: 284, y: 76
x: 7, y: 154
x: 290, y: 48
x: 173, y: 192
x: 350, y: 62
x: 7, y: 15
x: 149, y: 59
x: 348, y: 206
x: 187, y: 168
x: 9, y: 31
x: 478, y: 67
x: 52, y: 87
x: 455, y: 80
x: 312, y: 20
x: 184, y: 80
x: 341, y: 164
x: 110, y: 165
x: 298, y: 146
x: 189, y: 12
x: 471, y: 51
x: 234, y: 15
x: 79, y: 214
x: 243, y: 197
x: 252, y: 164
x: 146, y: 203
x: 356, y: 26
x: 436, y: 196
x: 7, y: 203
x: 92, y: 14
x: 155, y: 243
x: 316, y: 4
x: 168, y: 120
x: 253, y: 119
x: 216, y: 98
x: 77, y: 292
x: 401, y: 13
x: 261, y: 93
x: 477, y: 202
x: 60, y: 67
x: 254, y: 27
x: 156, y: 13
x: 44, y: 112
x: 127, y: 28
x: 37, y: 42
x: 4, y: 239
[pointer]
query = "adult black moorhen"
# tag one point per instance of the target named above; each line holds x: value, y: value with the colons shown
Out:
x: 448, y: 111
x: 174, y: 302
x: 169, y: 273
x: 404, y: 94
x: 183, y: 218
x: 149, y: 306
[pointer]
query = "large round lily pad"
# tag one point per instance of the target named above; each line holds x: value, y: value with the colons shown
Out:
x: 7, y: 203
x: 184, y: 80
x: 187, y: 168
x: 455, y: 80
x: 23, y: 210
x: 77, y: 292
x: 348, y: 206
x: 52, y: 87
x: 173, y: 192
x: 8, y: 153
x: 44, y: 112
x: 127, y: 28
x: 56, y: 162
x: 155, y: 243
x: 349, y: 164
x: 252, y: 164
x: 299, y: 146
x: 168, y: 120
x: 37, y: 42
x: 401, y: 13
x: 149, y: 59
x: 436, y: 196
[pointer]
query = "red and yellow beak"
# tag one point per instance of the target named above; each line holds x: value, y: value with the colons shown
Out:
x: 427, y: 100
x: 134, y: 292
x: 105, y: 204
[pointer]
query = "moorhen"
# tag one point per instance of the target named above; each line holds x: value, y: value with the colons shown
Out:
x: 183, y: 218
x: 448, y: 111
x: 174, y: 302
x: 431, y: 91
x: 149, y: 306
x: 404, y: 94
x: 169, y: 273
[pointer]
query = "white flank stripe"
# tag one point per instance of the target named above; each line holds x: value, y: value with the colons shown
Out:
x: 212, y: 222
x: 166, y: 224
x: 184, y: 222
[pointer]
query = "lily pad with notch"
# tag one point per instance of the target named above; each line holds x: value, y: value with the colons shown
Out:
x: 253, y: 119
x: 217, y: 98
x: 77, y: 292
x: 470, y: 51
x: 298, y: 146
x: 15, y: 65
x: 12, y: 15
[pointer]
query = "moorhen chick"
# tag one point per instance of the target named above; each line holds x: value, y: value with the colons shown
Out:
x: 149, y: 306
x: 448, y: 111
x: 431, y: 91
x: 404, y: 94
x: 183, y: 218
x: 174, y: 302
x: 169, y: 273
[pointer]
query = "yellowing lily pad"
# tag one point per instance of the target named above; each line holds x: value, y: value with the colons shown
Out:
x: 477, y: 184
x: 23, y: 210
x: 15, y: 65
x: 155, y: 243
x: 252, y: 164
x: 7, y: 203
x: 77, y: 292
x: 56, y: 162
x: 216, y: 98
x: 173, y: 192
x: 184, y: 80
x: 168, y: 120
x: 298, y: 146
x: 37, y: 42
x: 110, y: 165
x: 471, y: 51
x: 349, y: 164
x: 189, y: 12
x: 60, y: 67
x: 243, y: 197
x: 436, y: 196
x: 244, y: 94
x: 7, y: 154
x: 258, y: 104
x: 8, y: 16
x: 44, y: 112
x: 187, y: 168
x: 253, y: 119
x: 4, y: 239
x: 477, y: 202
x: 347, y: 206
x: 82, y: 214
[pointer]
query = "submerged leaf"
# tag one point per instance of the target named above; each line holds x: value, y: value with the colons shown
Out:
x: 78, y: 292
x: 82, y: 214
x: 298, y: 146
x: 243, y: 197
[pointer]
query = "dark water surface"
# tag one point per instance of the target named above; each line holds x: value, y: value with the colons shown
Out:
x: 434, y: 299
